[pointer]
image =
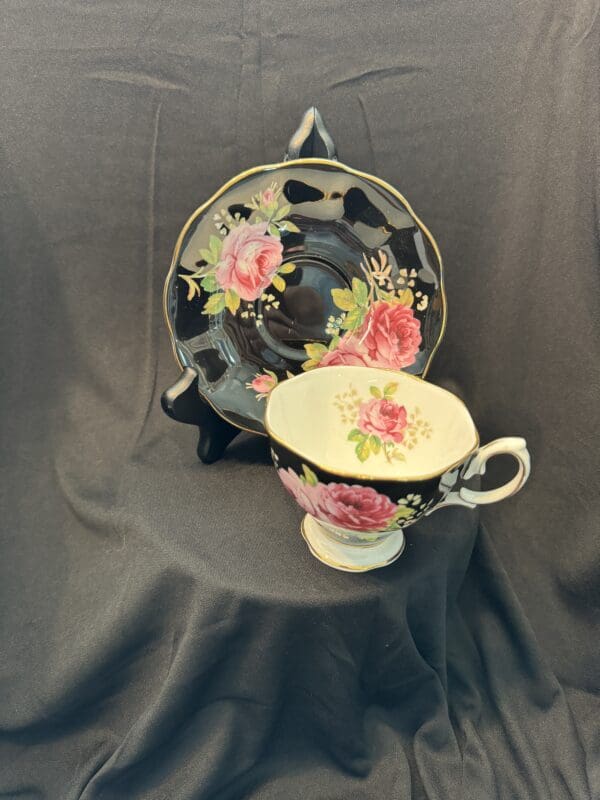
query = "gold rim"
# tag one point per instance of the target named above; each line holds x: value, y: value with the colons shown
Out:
x: 282, y: 165
x: 356, y: 475
x: 336, y: 565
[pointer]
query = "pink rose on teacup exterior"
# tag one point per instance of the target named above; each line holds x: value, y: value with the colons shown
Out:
x: 268, y: 196
x: 355, y: 508
x: 347, y: 353
x: 391, y: 335
x: 305, y: 494
x: 249, y: 260
x: 383, y: 418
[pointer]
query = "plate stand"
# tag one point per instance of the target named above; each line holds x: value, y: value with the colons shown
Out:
x: 182, y: 401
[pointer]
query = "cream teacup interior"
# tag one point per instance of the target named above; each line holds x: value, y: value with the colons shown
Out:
x: 371, y: 423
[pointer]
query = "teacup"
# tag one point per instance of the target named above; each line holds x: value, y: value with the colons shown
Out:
x: 367, y: 452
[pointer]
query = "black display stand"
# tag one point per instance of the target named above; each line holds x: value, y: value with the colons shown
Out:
x: 182, y: 401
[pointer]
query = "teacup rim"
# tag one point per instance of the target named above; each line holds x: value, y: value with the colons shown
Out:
x: 354, y: 474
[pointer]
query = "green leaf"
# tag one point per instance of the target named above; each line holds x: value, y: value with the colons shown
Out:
x: 310, y: 364
x: 278, y: 283
x: 215, y: 303
x: 193, y: 288
x: 215, y: 244
x: 355, y: 435
x: 363, y: 450
x: 375, y: 392
x: 232, y: 301
x: 354, y: 319
x: 398, y: 455
x: 283, y: 212
x: 285, y: 269
x: 309, y: 476
x: 360, y: 292
x: 344, y: 299
x: 404, y: 512
x: 335, y: 340
x: 315, y: 350
x: 389, y: 297
x: 389, y: 389
x: 375, y: 443
x: 207, y: 255
x: 274, y: 231
x: 209, y: 283
x: 290, y: 227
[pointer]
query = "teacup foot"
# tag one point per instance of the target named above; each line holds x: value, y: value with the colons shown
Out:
x: 350, y: 557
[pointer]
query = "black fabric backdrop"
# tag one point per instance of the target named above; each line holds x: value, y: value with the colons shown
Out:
x: 166, y: 634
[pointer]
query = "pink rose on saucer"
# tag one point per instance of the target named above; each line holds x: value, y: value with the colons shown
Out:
x: 356, y: 508
x: 263, y: 383
x: 390, y: 334
x: 304, y: 494
x: 268, y: 196
x: 383, y: 418
x: 249, y: 260
x: 347, y: 353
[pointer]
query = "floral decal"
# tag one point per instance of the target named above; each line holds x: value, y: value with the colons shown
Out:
x: 357, y: 508
x: 378, y: 327
x: 245, y: 258
x: 264, y: 383
x: 383, y: 419
x: 381, y: 425
x: 244, y: 262
x: 306, y: 489
x: 249, y: 260
x: 352, y: 507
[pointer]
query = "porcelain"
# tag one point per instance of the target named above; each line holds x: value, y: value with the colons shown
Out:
x: 367, y: 452
x: 295, y: 266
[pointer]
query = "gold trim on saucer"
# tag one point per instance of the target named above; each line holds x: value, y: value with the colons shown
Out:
x: 284, y: 165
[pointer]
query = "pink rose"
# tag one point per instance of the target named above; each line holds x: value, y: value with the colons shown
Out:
x: 263, y: 384
x: 346, y: 353
x: 356, y: 508
x: 304, y: 494
x: 390, y: 334
x: 249, y: 260
x: 267, y: 197
x: 383, y: 418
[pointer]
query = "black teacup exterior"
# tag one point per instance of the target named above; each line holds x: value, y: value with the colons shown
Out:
x: 355, y: 509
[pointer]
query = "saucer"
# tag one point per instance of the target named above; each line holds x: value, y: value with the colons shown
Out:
x: 298, y: 265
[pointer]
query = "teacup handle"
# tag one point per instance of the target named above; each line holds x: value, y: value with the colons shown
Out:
x: 511, y: 445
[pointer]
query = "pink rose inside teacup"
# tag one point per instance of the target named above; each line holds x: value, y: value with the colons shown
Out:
x: 383, y: 418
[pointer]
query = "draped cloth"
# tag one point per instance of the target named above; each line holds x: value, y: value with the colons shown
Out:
x: 165, y: 632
